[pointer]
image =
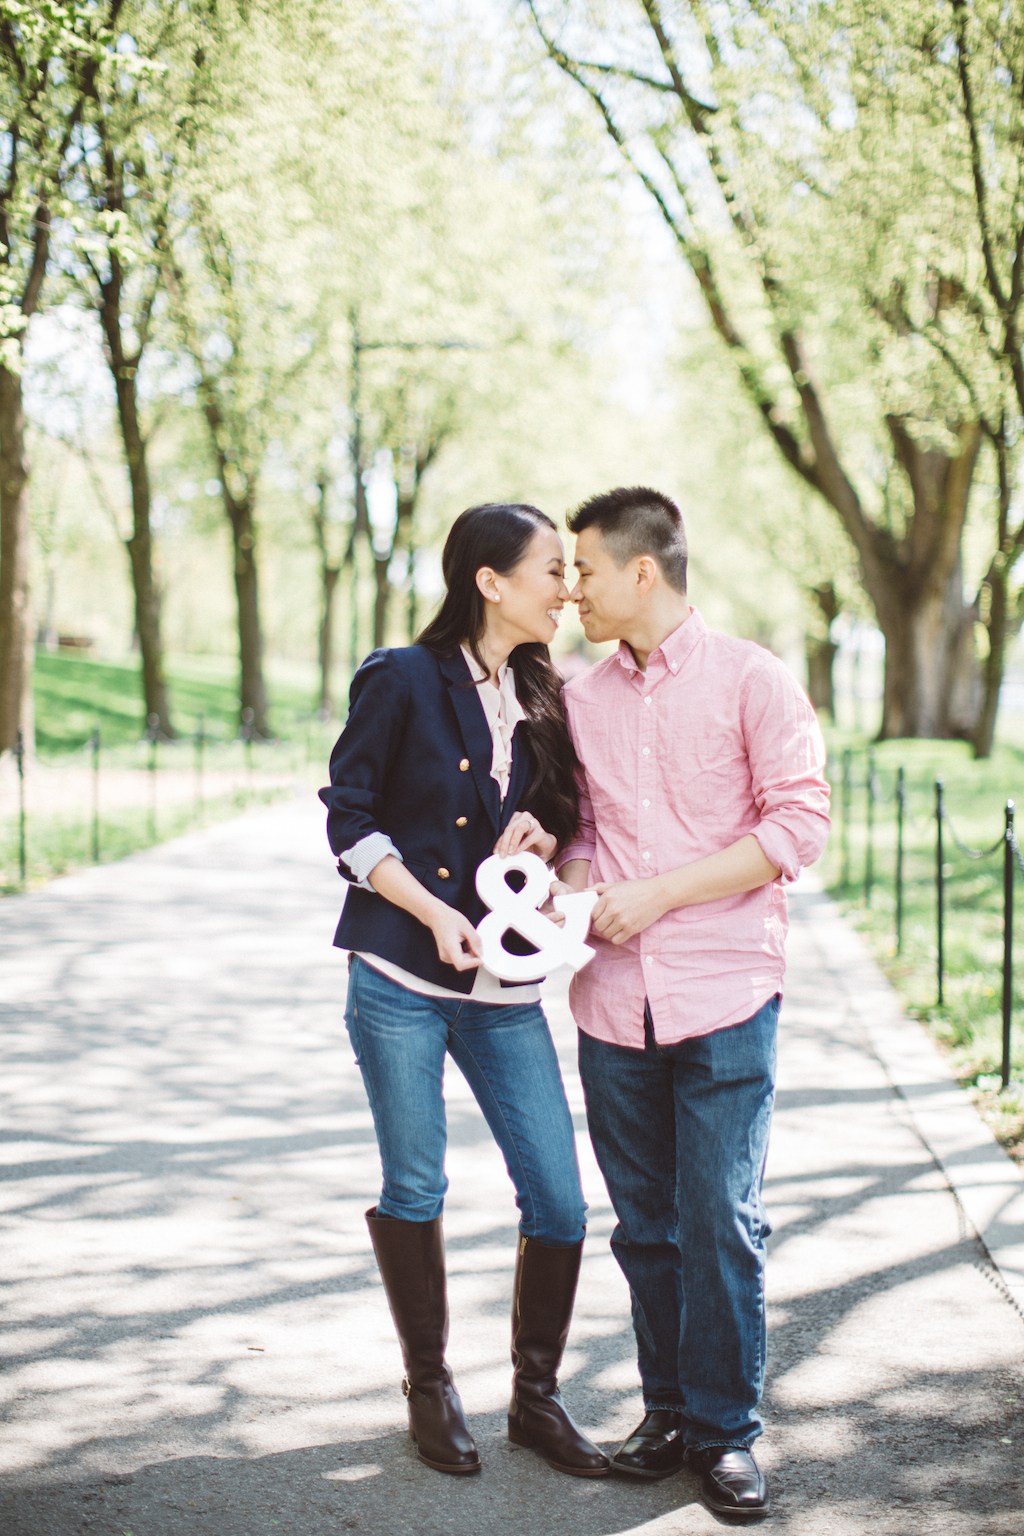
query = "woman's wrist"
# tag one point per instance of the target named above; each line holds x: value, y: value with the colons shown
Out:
x: 434, y: 911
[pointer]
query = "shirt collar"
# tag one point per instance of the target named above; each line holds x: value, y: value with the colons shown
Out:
x: 674, y: 649
x: 477, y: 672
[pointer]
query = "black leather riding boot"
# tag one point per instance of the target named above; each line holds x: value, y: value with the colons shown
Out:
x: 542, y: 1298
x: 410, y: 1257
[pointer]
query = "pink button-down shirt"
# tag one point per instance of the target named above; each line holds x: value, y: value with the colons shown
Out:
x: 715, y: 740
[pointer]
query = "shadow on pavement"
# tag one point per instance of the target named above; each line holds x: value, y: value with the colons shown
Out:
x: 196, y: 1340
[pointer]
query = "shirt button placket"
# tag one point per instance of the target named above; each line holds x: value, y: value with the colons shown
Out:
x: 646, y: 767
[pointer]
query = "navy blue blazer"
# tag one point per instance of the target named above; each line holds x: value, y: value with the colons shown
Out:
x: 414, y: 761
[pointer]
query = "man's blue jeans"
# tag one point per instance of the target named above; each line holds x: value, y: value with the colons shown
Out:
x: 681, y: 1135
x: 508, y: 1059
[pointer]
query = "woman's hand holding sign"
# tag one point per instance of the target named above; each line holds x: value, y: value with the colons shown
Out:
x: 524, y: 834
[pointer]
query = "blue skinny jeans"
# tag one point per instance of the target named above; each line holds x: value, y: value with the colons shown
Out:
x: 507, y: 1056
x: 681, y: 1135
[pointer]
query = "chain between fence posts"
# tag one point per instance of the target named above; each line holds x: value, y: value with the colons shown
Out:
x: 901, y: 795
x: 869, y: 852
x: 94, y: 743
x: 152, y: 728
x: 1008, y: 873
x: 939, y: 888
x: 19, y: 757
x: 844, y: 874
x: 200, y: 748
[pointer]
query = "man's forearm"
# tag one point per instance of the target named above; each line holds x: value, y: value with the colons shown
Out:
x: 741, y: 867
x: 629, y: 906
x: 575, y: 872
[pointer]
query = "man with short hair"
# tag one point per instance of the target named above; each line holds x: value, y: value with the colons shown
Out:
x: 702, y: 792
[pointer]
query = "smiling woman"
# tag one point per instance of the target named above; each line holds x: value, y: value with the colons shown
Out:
x: 456, y: 748
x: 504, y: 572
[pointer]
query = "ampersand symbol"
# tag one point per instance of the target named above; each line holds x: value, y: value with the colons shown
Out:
x: 517, y: 910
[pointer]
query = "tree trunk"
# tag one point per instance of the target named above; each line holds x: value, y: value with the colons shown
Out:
x: 381, y: 598
x: 125, y: 371
x: 238, y: 497
x: 251, y: 690
x: 1000, y: 624
x: 405, y: 534
x: 140, y: 552
x: 932, y: 676
x: 820, y: 656
x: 15, y: 638
x: 329, y: 575
x: 411, y: 602
x: 820, y: 650
x: 995, y: 661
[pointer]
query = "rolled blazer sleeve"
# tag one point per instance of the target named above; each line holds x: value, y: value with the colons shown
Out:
x: 362, y: 758
x: 787, y: 759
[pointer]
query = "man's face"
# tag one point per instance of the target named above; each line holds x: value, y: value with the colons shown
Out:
x: 609, y: 596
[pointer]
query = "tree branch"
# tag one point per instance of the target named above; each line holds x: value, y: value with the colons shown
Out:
x: 9, y: 47
x: 696, y: 111
x: 40, y: 255
x: 817, y: 463
x: 977, y: 170
x: 622, y: 73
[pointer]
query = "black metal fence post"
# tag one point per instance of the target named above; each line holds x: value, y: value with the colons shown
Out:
x: 1007, y: 941
x: 901, y: 793
x: 19, y: 756
x: 153, y: 726
x: 844, y: 874
x: 94, y: 742
x: 869, y: 852
x: 939, y: 887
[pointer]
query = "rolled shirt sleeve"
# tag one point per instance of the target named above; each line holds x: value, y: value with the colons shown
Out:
x: 787, y: 762
x: 584, y: 844
x: 363, y: 859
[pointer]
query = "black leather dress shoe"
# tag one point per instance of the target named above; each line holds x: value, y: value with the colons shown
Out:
x: 732, y: 1483
x: 655, y: 1448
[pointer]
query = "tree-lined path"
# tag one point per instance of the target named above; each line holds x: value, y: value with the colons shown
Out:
x: 195, y: 1339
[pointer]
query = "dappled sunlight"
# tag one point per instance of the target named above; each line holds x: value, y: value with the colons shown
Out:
x: 195, y: 1321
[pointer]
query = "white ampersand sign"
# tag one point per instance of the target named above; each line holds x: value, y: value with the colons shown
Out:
x: 557, y: 945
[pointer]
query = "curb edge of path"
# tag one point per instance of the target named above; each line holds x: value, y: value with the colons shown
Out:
x: 984, y: 1178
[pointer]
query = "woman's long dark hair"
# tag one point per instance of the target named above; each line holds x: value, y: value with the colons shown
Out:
x: 498, y: 535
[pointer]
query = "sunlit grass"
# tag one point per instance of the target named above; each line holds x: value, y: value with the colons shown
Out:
x: 74, y: 695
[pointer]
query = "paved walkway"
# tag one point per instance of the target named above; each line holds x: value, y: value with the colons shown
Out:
x: 196, y: 1340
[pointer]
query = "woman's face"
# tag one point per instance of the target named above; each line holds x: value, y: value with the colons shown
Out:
x: 525, y: 605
